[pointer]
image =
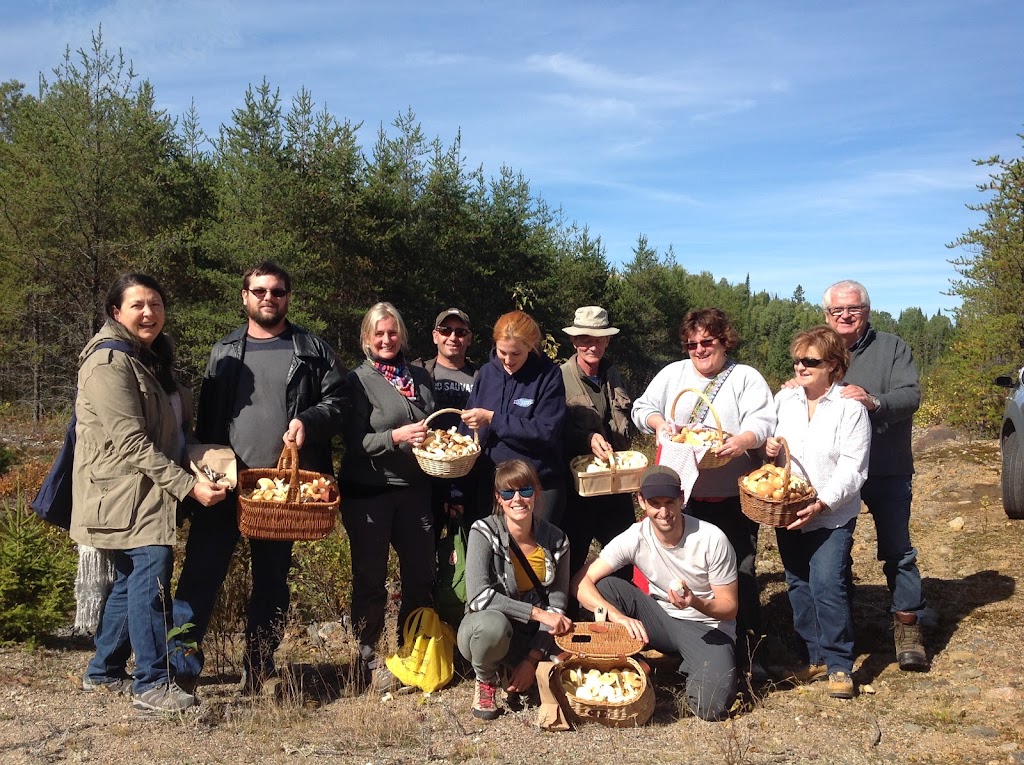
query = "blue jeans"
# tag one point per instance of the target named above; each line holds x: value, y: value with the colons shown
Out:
x: 818, y: 577
x: 136, y: 617
x: 888, y: 500
x: 212, y: 537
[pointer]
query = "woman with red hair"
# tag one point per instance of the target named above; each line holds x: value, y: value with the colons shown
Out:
x: 518, y: 406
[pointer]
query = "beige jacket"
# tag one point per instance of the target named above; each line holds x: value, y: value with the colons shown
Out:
x: 125, y: 486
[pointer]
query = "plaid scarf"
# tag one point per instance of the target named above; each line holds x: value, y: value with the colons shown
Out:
x: 398, y: 375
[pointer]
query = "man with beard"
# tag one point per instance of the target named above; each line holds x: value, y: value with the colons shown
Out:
x: 268, y: 380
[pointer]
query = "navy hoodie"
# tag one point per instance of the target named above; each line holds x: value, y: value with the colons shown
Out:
x: 529, y: 413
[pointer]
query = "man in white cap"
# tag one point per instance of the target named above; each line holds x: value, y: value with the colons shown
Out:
x: 598, y: 424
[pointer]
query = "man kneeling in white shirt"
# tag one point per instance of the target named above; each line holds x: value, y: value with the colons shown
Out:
x: 691, y: 608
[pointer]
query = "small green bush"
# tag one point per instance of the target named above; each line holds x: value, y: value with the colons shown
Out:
x: 37, y: 575
x: 6, y: 458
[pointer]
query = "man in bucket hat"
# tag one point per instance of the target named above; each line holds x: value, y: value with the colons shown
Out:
x: 691, y: 609
x: 598, y: 424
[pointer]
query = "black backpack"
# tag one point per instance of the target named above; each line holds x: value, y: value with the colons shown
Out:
x: 53, y: 502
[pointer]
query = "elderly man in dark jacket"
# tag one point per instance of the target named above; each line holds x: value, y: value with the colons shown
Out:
x: 598, y: 424
x: 882, y: 376
x: 267, y: 381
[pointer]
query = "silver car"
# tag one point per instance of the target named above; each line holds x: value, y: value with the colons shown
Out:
x: 1011, y: 448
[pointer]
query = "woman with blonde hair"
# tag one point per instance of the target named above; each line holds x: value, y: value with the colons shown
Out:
x: 829, y: 438
x: 518, y: 406
x: 386, y: 494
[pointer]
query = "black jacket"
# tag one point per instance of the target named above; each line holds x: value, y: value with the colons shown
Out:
x: 317, y: 393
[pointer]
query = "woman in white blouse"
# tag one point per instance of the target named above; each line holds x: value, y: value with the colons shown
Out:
x: 828, y: 437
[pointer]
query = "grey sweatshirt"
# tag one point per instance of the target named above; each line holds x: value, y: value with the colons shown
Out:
x: 882, y: 364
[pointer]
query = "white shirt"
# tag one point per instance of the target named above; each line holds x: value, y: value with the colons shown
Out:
x: 702, y: 558
x: 830, y: 450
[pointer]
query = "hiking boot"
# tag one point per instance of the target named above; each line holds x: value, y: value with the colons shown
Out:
x: 812, y: 673
x: 485, y: 699
x: 906, y: 633
x: 119, y: 685
x: 164, y: 698
x: 840, y: 685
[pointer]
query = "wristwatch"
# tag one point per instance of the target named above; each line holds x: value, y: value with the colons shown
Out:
x: 875, y: 402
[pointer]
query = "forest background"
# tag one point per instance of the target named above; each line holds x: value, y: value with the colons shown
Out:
x: 95, y: 181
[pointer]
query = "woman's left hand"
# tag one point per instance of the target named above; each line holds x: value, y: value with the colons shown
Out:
x: 736, y: 445
x: 804, y: 516
x: 523, y: 677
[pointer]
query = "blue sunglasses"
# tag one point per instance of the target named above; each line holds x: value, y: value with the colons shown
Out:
x: 524, y: 491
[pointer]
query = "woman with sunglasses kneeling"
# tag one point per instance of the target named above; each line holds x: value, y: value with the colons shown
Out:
x: 517, y: 580
x: 829, y: 438
x: 743, y: 402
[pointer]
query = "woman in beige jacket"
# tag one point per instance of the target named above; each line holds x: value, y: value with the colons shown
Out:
x: 132, y: 420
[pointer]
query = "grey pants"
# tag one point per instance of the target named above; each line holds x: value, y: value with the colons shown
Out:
x: 489, y: 639
x: 708, y: 662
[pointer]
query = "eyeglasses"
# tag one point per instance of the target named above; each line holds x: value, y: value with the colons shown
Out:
x: 457, y: 331
x: 809, y: 363
x: 703, y: 344
x: 524, y: 491
x: 853, y: 310
x: 261, y: 292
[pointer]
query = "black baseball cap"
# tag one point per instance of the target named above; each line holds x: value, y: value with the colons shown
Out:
x: 451, y: 312
x: 660, y: 481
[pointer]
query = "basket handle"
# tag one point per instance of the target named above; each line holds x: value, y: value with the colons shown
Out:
x: 679, y: 395
x: 786, y: 466
x: 289, y: 460
x: 452, y: 410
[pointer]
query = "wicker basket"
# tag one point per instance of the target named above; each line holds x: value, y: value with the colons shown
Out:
x: 450, y: 467
x: 289, y: 521
x: 774, y: 512
x: 612, y: 481
x: 605, y: 646
x: 710, y: 460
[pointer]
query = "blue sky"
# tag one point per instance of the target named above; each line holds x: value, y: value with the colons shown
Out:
x: 799, y: 142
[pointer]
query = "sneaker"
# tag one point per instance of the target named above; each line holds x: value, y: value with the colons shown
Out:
x: 164, y: 698
x: 812, y: 673
x: 840, y: 685
x: 120, y: 685
x: 485, y: 699
x: 906, y: 633
x: 383, y: 680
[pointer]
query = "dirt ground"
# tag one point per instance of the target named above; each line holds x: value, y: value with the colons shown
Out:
x: 967, y: 709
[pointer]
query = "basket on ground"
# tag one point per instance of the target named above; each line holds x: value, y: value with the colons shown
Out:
x: 616, y: 478
x: 797, y: 494
x: 291, y: 520
x: 608, y: 649
x: 710, y: 460
x: 446, y: 466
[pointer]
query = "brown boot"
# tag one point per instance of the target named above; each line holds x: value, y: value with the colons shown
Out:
x: 909, y: 646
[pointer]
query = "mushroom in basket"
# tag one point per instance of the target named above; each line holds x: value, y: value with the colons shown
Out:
x: 767, y: 482
x: 446, y: 444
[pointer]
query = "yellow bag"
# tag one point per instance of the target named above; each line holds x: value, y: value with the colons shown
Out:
x: 426, y: 659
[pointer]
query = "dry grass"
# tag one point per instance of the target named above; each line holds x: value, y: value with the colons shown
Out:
x: 965, y: 710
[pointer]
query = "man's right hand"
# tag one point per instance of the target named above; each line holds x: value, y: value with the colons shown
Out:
x: 635, y: 627
x: 208, y: 494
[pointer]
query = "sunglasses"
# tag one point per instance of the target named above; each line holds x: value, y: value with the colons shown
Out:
x: 457, y: 331
x: 809, y: 363
x: 703, y: 344
x: 261, y: 292
x: 524, y: 491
